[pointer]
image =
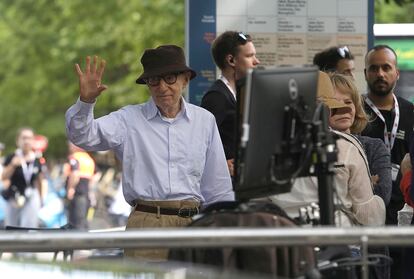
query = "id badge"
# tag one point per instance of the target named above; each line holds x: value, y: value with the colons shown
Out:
x: 394, y: 171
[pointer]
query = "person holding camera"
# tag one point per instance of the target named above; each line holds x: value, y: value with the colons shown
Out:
x: 23, y: 176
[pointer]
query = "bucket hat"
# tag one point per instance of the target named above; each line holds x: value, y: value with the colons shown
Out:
x: 165, y: 59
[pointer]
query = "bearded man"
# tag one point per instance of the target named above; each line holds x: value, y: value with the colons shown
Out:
x: 392, y: 120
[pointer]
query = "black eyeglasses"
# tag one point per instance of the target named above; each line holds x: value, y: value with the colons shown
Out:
x: 168, y: 78
x: 343, y: 51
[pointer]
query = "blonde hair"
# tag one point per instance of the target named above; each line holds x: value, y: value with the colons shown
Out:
x: 346, y: 84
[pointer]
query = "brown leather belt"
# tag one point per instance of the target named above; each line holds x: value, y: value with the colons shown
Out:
x: 183, y: 212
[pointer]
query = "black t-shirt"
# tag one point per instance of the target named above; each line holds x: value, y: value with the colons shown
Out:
x: 17, y: 179
x: 375, y: 129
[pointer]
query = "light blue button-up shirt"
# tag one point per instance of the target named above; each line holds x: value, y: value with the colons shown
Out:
x: 161, y: 160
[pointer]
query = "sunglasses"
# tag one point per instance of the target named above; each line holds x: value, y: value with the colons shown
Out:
x: 168, y: 79
x: 343, y: 51
x: 243, y: 38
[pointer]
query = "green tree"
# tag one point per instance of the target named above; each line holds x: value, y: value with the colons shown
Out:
x: 399, y: 2
x: 41, y: 40
x: 394, y: 11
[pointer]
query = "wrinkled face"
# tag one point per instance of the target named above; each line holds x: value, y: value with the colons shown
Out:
x: 341, y: 119
x: 25, y: 140
x: 346, y: 67
x: 167, y: 96
x: 245, y: 59
x: 381, y: 72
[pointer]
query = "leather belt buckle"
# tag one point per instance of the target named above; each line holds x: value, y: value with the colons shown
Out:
x: 187, y: 212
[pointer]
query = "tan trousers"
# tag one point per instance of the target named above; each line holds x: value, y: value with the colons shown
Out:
x: 139, y: 219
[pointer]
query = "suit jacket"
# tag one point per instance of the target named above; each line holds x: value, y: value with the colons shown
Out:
x: 221, y: 103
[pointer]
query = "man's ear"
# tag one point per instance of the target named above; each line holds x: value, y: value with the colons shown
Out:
x: 230, y: 60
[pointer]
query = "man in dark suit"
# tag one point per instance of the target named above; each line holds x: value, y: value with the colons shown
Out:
x: 234, y: 53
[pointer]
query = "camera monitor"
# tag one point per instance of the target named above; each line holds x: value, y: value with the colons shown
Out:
x: 275, y: 109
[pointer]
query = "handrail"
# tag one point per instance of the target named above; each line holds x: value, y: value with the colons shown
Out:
x: 43, y: 241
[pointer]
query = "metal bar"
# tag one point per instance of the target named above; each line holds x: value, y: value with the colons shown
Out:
x: 364, y: 251
x: 41, y: 241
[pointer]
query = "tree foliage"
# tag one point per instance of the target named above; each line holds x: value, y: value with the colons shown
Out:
x: 399, y: 2
x: 394, y: 11
x: 41, y: 40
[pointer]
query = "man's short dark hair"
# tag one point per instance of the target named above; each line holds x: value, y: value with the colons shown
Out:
x: 328, y: 59
x: 380, y: 47
x: 227, y: 43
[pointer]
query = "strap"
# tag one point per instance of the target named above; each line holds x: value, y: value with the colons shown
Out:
x: 354, y: 141
x: 389, y: 139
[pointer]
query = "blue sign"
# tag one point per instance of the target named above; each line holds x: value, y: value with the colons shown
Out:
x: 201, y: 31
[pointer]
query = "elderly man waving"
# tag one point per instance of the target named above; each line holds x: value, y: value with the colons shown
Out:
x: 172, y: 156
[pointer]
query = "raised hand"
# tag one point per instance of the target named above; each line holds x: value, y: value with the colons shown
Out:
x: 90, y: 85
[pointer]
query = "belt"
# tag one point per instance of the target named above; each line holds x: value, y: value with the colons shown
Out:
x: 183, y: 212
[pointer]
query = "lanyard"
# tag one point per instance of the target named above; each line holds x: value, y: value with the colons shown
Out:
x: 27, y: 168
x: 388, y: 139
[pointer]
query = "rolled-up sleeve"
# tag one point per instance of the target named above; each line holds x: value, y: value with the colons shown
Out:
x: 94, y: 134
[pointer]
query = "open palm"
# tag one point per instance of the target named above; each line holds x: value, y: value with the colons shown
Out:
x: 90, y: 85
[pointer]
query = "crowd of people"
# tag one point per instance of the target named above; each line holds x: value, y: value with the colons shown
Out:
x: 36, y: 193
x: 178, y: 158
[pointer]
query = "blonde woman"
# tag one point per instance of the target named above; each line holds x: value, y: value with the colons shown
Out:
x: 352, y: 179
x: 352, y: 120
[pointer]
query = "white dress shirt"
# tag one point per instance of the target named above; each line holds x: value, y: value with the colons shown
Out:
x: 227, y: 83
x: 161, y: 160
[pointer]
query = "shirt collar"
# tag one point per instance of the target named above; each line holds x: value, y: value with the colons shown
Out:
x: 227, y: 83
x: 151, y: 110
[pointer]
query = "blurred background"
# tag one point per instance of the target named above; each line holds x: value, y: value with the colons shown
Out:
x: 40, y: 41
x: 395, y: 27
